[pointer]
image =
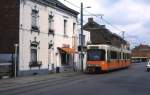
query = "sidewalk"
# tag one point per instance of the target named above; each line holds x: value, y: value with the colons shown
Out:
x: 31, y: 80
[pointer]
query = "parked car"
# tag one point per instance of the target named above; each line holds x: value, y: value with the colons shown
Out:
x: 148, y: 66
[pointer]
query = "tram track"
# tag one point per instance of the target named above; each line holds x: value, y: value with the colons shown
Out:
x: 14, y: 90
x: 16, y: 83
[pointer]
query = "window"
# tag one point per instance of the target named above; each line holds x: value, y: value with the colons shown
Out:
x: 123, y: 55
x: 113, y: 55
x: 129, y: 56
x: 6, y: 58
x: 33, y: 53
x: 119, y: 55
x: 126, y: 56
x: 95, y: 55
x: 65, y: 27
x: 51, y: 24
x: 108, y: 55
x: 35, y: 17
x: 65, y: 59
x: 74, y: 26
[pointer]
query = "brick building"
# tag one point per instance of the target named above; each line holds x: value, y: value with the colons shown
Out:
x: 99, y: 34
x: 141, y: 53
x: 9, y: 25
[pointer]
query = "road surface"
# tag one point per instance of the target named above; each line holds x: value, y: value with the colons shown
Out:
x: 132, y: 81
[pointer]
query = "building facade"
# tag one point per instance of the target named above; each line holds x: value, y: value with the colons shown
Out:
x: 141, y: 53
x: 46, y: 33
x: 99, y: 34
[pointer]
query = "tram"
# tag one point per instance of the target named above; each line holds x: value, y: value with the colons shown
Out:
x: 106, y: 58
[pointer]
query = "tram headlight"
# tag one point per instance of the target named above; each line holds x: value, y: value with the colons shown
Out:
x: 96, y: 65
x: 89, y: 65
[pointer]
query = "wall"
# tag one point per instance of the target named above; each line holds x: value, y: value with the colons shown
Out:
x: 9, y: 25
x: 49, y: 57
x: 60, y: 40
x: 27, y: 36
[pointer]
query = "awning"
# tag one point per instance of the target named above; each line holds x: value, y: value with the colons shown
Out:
x: 67, y: 50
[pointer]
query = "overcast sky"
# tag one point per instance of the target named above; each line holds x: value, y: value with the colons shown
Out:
x: 131, y: 16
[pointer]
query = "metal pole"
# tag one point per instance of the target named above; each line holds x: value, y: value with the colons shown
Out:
x: 81, y: 36
x: 123, y: 32
x: 16, y: 49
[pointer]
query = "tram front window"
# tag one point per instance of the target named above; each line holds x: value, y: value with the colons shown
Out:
x: 96, y: 55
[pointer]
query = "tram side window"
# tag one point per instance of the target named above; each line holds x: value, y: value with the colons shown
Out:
x: 128, y: 56
x: 119, y: 55
x: 123, y: 55
x: 113, y: 55
x: 108, y: 55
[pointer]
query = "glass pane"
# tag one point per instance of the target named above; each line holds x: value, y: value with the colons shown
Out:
x: 96, y: 55
x: 4, y: 58
x: 33, y: 55
x: 50, y: 23
x: 65, y: 27
x: 34, y: 22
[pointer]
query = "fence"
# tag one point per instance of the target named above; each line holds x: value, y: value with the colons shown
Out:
x: 6, y: 65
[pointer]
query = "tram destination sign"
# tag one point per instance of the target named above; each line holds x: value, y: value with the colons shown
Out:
x: 93, y: 47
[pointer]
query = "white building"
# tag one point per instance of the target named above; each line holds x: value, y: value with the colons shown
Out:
x: 47, y: 37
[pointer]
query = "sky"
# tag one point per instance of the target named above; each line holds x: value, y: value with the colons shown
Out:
x: 131, y: 16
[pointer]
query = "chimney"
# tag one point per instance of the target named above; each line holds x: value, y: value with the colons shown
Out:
x: 103, y: 26
x: 90, y: 20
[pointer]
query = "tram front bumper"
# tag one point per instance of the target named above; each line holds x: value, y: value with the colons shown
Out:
x: 93, y: 65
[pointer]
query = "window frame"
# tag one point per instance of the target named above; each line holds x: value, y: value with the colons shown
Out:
x: 34, y: 47
x: 35, y: 20
x: 65, y: 27
x: 113, y: 55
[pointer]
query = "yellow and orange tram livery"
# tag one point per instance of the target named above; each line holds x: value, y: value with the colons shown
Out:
x: 106, y: 57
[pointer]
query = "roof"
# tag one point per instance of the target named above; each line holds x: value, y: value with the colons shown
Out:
x: 58, y: 5
x: 117, y: 36
x: 142, y: 47
x: 91, y: 26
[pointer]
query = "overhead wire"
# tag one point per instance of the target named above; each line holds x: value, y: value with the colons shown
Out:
x: 103, y: 20
x: 97, y: 16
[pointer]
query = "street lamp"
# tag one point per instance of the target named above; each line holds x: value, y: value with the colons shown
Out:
x: 82, y: 35
x: 16, y: 49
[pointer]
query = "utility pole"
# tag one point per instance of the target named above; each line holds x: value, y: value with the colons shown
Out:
x: 123, y: 32
x: 81, y: 36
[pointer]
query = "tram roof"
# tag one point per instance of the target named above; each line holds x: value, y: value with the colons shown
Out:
x: 136, y: 57
x: 108, y: 47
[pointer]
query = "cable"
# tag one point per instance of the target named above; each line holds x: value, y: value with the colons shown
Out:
x: 111, y: 24
x: 107, y: 22
x: 72, y: 4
